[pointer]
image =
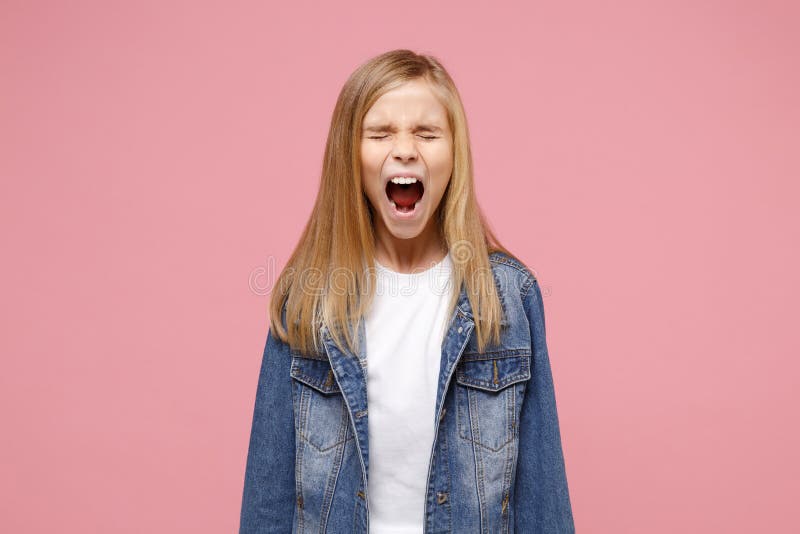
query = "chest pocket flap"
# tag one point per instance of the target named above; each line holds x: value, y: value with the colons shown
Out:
x: 315, y: 373
x: 494, y: 371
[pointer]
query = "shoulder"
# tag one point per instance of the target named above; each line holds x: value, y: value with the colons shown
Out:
x: 513, y: 273
x: 522, y: 288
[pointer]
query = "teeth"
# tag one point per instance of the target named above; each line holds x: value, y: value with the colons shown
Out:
x: 403, y: 180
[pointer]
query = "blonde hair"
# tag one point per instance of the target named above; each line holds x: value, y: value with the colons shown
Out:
x: 328, y: 279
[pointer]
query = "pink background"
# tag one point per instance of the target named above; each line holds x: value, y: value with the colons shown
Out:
x: 159, y: 160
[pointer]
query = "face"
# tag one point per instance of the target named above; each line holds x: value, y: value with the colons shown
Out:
x: 405, y: 134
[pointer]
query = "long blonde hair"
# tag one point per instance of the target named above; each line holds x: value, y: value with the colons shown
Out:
x: 329, y: 276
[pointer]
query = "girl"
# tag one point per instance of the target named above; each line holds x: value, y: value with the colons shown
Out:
x: 405, y: 384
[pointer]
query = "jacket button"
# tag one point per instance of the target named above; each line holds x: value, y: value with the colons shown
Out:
x: 442, y: 415
x: 441, y: 497
x: 300, y: 501
x: 460, y: 329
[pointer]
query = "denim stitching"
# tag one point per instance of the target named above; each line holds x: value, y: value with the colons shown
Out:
x: 333, y: 476
x: 299, y: 461
x: 479, y: 469
x: 493, y: 354
x: 510, y: 455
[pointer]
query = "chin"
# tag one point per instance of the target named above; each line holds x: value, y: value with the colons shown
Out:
x: 405, y: 231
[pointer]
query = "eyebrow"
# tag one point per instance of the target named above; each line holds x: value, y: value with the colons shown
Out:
x: 389, y: 127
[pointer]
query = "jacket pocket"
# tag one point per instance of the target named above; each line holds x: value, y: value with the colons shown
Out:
x: 489, y: 391
x: 321, y: 417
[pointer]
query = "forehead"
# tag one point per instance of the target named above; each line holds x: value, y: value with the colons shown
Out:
x: 412, y: 102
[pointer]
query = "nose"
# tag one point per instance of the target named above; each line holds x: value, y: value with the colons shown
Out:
x: 404, y: 148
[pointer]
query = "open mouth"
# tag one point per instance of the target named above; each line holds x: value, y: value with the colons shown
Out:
x: 404, y: 193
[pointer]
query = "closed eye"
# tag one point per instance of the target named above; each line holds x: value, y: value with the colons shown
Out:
x: 428, y: 137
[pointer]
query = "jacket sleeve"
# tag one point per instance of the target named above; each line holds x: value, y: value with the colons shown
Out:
x: 269, y: 485
x: 541, y: 495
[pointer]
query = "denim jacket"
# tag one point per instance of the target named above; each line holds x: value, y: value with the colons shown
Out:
x: 496, y: 462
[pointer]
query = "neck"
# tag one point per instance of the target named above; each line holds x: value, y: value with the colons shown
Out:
x: 409, y: 255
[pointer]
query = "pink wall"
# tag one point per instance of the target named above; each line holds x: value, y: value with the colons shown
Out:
x: 159, y: 159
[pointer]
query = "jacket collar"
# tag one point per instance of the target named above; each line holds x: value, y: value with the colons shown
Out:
x: 350, y: 370
x: 462, y: 306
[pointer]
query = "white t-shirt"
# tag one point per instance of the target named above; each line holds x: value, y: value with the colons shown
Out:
x: 405, y: 327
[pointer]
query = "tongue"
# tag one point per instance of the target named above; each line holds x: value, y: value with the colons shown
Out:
x: 404, y: 195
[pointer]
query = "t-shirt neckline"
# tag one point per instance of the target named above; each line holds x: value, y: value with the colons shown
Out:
x: 438, y: 266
